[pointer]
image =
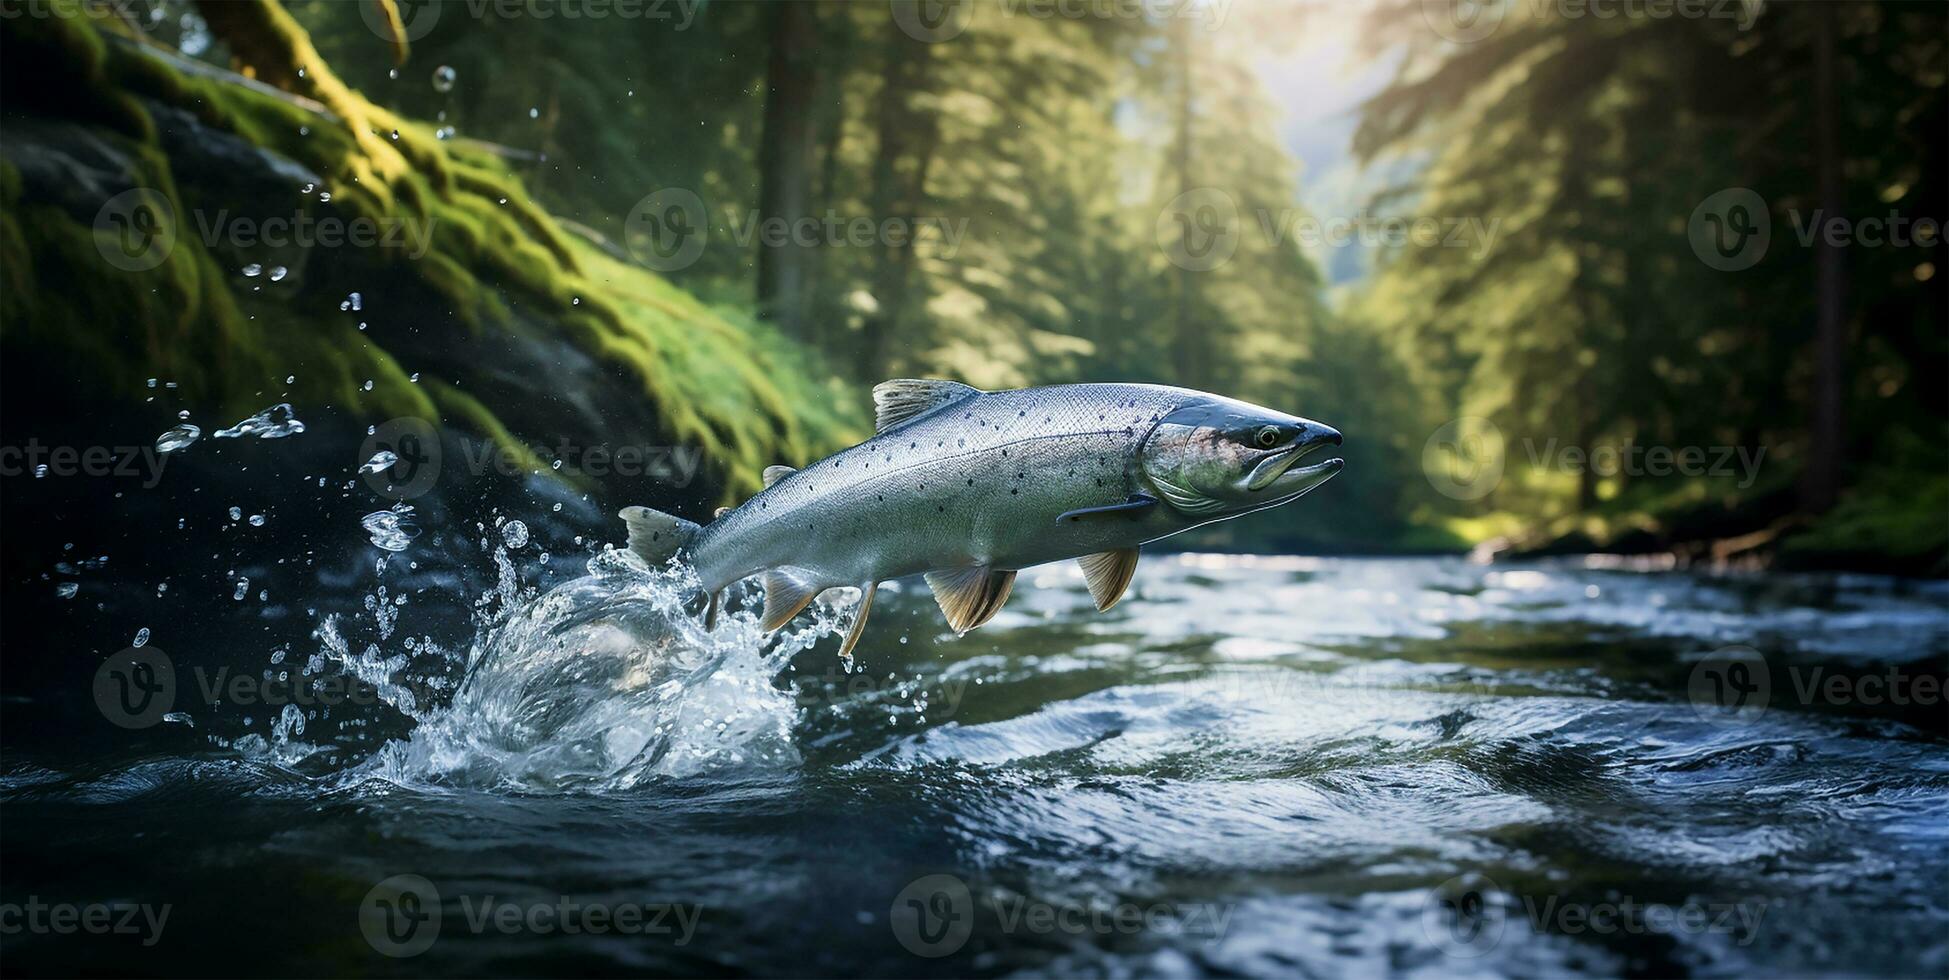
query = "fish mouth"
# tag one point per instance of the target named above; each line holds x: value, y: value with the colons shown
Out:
x: 1277, y: 464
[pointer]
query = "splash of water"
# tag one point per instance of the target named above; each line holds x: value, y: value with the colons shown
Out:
x: 597, y: 685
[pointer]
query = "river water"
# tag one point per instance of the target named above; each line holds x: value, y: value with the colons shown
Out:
x: 1257, y: 766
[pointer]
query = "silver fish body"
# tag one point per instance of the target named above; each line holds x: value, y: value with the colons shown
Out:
x: 978, y: 483
x: 969, y: 486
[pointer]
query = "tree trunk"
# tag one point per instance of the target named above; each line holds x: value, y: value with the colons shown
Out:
x: 897, y: 189
x: 1828, y: 429
x: 1190, y: 346
x: 785, y: 162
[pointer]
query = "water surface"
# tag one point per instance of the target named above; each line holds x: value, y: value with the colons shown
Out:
x: 1253, y: 766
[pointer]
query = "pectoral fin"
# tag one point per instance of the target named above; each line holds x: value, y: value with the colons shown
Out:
x: 970, y: 596
x: 1136, y: 506
x: 859, y: 621
x: 1108, y: 574
x: 786, y: 595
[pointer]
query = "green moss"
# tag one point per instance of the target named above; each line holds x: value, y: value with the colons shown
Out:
x: 732, y: 387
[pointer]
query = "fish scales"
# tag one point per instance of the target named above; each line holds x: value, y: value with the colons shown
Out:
x: 979, y: 481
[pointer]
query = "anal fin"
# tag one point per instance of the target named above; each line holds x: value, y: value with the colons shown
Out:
x: 970, y: 596
x: 1108, y: 574
x: 786, y: 595
x: 859, y: 621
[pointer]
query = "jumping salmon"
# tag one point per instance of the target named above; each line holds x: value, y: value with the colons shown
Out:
x: 968, y: 486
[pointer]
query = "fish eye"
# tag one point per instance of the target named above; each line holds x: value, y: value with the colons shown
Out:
x: 1268, y: 436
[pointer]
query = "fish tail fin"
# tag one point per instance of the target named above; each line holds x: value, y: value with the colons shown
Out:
x: 655, y: 536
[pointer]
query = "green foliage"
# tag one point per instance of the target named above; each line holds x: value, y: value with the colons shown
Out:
x: 731, y: 390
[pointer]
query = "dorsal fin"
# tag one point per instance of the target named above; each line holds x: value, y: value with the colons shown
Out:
x: 970, y: 596
x: 773, y: 474
x: 1108, y: 574
x: 903, y: 399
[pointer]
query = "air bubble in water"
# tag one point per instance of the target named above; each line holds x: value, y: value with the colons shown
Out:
x: 278, y: 273
x: 515, y: 534
x: 253, y: 270
x: 141, y: 636
x: 443, y: 78
x: 66, y: 590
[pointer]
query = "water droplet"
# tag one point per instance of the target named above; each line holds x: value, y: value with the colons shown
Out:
x: 66, y: 590
x: 534, y: 112
x: 179, y: 718
x: 391, y: 530
x: 236, y: 513
x: 515, y: 534
x: 178, y: 438
x: 141, y: 636
x: 443, y: 78
x: 290, y: 378
x: 278, y: 273
x: 253, y: 270
x: 243, y: 589
x: 275, y: 422
x: 325, y: 197
x: 380, y: 461
x: 256, y: 520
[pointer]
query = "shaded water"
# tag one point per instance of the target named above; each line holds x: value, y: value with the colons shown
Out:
x: 1253, y: 766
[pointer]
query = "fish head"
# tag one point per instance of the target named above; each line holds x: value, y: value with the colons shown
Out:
x: 1215, y: 457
